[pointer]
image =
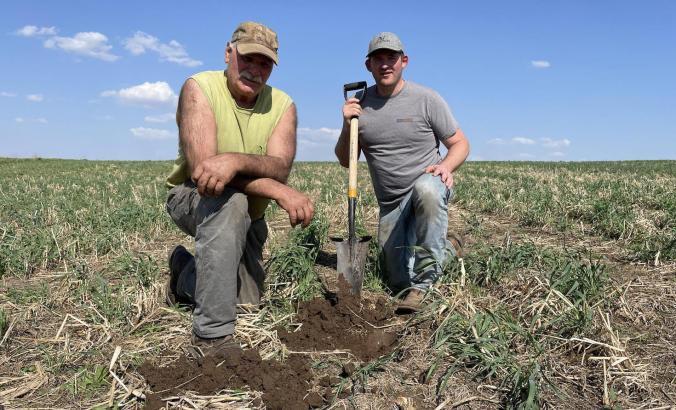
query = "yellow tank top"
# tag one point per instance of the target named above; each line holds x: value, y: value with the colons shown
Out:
x: 237, y: 129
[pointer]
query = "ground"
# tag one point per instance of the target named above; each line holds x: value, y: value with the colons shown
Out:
x: 564, y: 299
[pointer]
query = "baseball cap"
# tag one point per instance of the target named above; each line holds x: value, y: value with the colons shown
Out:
x: 385, y: 40
x: 252, y: 37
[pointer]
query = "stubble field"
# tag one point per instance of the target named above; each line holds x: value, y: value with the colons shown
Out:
x: 565, y: 298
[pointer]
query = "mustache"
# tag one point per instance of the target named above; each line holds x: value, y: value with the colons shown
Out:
x: 248, y: 76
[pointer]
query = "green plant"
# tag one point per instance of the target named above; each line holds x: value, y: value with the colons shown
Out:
x: 4, y: 323
x: 89, y: 381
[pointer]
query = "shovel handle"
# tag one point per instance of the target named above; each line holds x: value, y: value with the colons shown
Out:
x: 354, y: 156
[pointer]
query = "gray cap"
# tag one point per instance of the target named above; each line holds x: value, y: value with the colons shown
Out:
x: 385, y: 40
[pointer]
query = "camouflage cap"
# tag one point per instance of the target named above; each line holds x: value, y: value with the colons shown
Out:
x: 252, y: 37
x: 385, y: 40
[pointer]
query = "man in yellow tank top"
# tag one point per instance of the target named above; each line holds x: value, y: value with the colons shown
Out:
x: 237, y: 142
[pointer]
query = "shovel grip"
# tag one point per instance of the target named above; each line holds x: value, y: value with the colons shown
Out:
x: 358, y: 86
x: 354, y: 156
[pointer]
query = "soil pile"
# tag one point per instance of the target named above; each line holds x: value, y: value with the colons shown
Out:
x: 283, y: 384
x: 341, y: 322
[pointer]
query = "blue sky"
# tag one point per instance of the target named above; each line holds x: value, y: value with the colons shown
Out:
x: 527, y: 80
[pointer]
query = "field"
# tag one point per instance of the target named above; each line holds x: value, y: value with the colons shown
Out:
x: 565, y: 298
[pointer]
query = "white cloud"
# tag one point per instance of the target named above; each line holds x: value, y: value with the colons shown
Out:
x: 496, y: 141
x: 152, y: 133
x: 6, y: 94
x: 160, y: 118
x: 548, y: 142
x: 314, y: 137
x: 540, y: 63
x: 512, y: 141
x: 90, y: 44
x: 522, y: 140
x: 34, y: 31
x: 316, y: 144
x: 40, y: 120
x: 320, y: 134
x: 35, y: 97
x: 173, y: 51
x: 145, y: 94
x: 557, y: 154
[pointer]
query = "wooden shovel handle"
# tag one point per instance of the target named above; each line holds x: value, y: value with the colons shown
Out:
x: 354, y: 156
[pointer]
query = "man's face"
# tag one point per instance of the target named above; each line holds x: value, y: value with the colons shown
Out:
x: 247, y: 72
x: 386, y: 66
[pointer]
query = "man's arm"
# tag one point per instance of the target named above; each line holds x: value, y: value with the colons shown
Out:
x: 196, y: 125
x: 458, y: 149
x: 213, y: 173
x: 296, y: 204
x: 276, y: 163
x: 197, y: 135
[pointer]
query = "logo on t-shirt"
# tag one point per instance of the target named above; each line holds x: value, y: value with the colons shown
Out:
x: 409, y: 119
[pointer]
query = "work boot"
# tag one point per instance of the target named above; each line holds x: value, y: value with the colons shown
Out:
x: 412, y: 303
x: 218, y: 347
x: 457, y: 243
x: 178, y: 258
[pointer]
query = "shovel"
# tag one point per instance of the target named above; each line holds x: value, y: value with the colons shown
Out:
x: 351, y: 254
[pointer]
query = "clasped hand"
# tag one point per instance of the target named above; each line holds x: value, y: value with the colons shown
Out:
x: 212, y: 175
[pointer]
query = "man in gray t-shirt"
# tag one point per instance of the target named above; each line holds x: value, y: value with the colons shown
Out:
x: 400, y: 127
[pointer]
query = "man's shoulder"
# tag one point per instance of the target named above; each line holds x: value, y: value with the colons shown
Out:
x: 420, y: 89
x: 277, y: 93
x: 207, y: 74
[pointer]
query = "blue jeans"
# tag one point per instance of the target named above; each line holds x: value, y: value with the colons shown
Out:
x: 412, y: 236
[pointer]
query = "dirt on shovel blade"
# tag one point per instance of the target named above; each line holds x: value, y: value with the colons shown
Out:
x: 344, y: 322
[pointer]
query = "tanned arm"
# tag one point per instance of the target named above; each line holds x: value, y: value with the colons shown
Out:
x: 217, y: 170
x: 212, y: 172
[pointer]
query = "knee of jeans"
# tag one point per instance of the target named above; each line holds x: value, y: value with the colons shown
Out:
x: 234, y: 203
x: 429, y: 190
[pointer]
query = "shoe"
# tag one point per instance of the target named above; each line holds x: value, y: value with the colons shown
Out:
x: 457, y: 243
x: 412, y: 303
x: 177, y: 260
x: 220, y: 347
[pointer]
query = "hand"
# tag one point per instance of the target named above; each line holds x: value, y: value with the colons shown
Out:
x: 443, y: 172
x: 351, y: 109
x: 297, y: 205
x: 213, y: 174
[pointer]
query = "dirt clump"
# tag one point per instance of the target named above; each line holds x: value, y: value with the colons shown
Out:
x: 343, y: 322
x: 340, y: 322
x: 284, y: 385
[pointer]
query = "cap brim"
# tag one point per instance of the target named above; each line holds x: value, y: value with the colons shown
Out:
x: 398, y: 50
x: 253, y: 48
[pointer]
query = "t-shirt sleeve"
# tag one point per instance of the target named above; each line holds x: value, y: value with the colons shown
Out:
x: 440, y: 117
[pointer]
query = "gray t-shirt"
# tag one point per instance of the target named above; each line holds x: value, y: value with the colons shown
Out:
x: 400, y: 137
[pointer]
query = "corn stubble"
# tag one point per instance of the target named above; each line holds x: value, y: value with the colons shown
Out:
x: 565, y: 297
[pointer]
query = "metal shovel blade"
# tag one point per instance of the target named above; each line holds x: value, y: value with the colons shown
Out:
x: 351, y: 260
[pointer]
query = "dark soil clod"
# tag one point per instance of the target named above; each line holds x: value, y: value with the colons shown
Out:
x: 342, y: 322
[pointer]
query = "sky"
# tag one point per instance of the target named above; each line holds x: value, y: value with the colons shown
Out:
x: 527, y: 80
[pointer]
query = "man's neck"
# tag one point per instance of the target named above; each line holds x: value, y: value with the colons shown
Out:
x: 390, y: 91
